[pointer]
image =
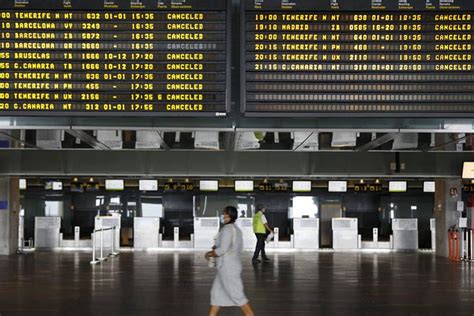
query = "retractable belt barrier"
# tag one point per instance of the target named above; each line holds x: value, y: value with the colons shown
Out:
x: 112, y: 253
x: 467, y: 247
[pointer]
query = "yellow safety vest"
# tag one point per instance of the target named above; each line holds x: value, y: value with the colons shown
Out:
x: 258, y: 227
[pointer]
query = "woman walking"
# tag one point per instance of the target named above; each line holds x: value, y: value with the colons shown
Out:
x: 228, y: 288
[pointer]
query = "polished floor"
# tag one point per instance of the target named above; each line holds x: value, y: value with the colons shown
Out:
x: 165, y: 283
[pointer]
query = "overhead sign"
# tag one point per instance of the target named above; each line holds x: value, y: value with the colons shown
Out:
x: 468, y: 187
x: 301, y: 186
x: 428, y: 186
x: 468, y: 170
x: 57, y: 186
x: 368, y: 187
x: 148, y: 185
x: 90, y: 187
x: 397, y: 186
x: 114, y: 185
x: 53, y: 185
x: 281, y: 186
x: 174, y: 186
x: 337, y: 186
x: 243, y: 186
x: 209, y: 185
x: 265, y: 187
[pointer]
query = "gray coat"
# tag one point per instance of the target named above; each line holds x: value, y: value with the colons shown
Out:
x: 227, y: 288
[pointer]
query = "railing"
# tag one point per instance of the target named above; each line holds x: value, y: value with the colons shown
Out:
x: 112, y: 253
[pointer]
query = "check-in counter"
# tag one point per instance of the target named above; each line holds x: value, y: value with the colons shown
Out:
x: 77, y: 242
x: 405, y: 233
x: 146, y: 232
x: 47, y: 232
x: 248, y: 236
x: 106, y: 222
x: 345, y: 234
x: 306, y: 233
x: 205, y: 232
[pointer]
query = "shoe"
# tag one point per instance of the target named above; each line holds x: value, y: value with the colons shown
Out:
x: 256, y: 261
x: 266, y: 259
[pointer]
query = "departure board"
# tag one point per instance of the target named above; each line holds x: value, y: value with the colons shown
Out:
x: 357, y: 57
x: 114, y: 57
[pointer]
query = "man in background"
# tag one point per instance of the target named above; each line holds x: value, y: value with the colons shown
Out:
x: 260, y: 228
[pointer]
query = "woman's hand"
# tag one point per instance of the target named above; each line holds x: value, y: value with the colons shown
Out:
x: 210, y: 254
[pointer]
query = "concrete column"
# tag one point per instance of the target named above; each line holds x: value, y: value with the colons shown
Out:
x: 9, y: 211
x: 448, y: 193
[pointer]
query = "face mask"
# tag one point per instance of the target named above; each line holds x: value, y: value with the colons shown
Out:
x: 222, y: 219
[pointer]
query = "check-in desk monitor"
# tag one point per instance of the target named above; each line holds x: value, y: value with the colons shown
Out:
x: 205, y: 232
x: 106, y: 222
x: 344, y: 233
x: 248, y: 236
x: 47, y: 231
x: 306, y: 233
x: 405, y: 233
x: 146, y: 232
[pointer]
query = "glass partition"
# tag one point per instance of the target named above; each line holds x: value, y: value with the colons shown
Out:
x: 54, y: 208
x: 304, y: 207
x: 212, y: 205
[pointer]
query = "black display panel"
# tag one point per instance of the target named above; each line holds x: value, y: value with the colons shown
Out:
x: 357, y: 58
x: 114, y: 57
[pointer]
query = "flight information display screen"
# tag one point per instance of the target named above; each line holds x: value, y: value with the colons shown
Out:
x: 360, y: 57
x: 114, y: 57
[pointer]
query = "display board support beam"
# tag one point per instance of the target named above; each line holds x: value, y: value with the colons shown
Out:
x: 311, y: 165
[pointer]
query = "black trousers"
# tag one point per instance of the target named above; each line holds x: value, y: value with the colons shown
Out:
x: 260, y: 247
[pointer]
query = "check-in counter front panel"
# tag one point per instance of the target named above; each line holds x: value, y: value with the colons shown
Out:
x: 146, y: 232
x: 306, y: 233
x: 405, y: 233
x: 205, y: 232
x: 345, y: 234
x: 246, y: 226
x: 47, y: 230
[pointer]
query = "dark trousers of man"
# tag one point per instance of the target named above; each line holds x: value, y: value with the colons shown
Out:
x: 260, y: 247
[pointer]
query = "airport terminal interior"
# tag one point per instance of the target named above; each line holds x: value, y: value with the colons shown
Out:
x: 128, y: 126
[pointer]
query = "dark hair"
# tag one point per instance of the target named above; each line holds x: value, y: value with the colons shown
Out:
x: 259, y: 207
x: 232, y: 212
